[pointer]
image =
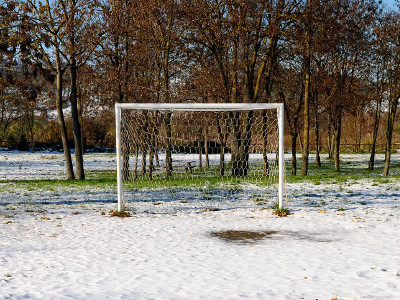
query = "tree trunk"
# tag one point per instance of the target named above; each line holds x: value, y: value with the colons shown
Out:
x: 156, y: 123
x: 222, y: 160
x: 152, y: 144
x: 265, y: 144
x: 166, y: 93
x: 151, y: 155
x: 61, y: 120
x: 294, y: 149
x: 241, y: 143
x: 75, y: 120
x: 265, y: 159
x: 235, y: 143
x: 136, y: 161
x: 389, y: 134
x: 317, y: 156
x: 371, y: 162
x: 331, y: 143
x: 307, y: 84
x: 337, y: 133
x: 80, y: 112
x: 206, y: 147
x: 237, y: 140
x: 168, y: 146
x: 222, y: 137
x: 73, y: 67
x: 125, y: 147
x: 200, y: 148
x: 156, y: 157
x: 144, y: 154
x: 151, y: 141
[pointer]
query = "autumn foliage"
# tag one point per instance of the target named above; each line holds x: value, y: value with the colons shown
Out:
x: 335, y: 65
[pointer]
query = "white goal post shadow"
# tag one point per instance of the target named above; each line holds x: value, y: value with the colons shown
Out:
x: 200, y: 107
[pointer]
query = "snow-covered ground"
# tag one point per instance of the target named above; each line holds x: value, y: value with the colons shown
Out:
x: 46, y: 165
x: 341, y: 240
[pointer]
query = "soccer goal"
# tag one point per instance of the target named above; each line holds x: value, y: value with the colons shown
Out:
x: 211, y: 156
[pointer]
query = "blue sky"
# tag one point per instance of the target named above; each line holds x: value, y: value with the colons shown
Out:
x: 389, y: 3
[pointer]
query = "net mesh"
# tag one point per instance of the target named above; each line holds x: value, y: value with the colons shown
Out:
x: 198, y: 160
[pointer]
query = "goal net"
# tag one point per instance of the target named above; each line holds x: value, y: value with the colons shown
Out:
x: 194, y: 157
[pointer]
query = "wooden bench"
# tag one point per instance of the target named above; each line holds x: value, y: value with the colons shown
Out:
x: 188, y: 166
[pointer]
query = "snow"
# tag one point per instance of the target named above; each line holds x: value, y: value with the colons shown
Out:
x: 46, y: 165
x: 341, y: 240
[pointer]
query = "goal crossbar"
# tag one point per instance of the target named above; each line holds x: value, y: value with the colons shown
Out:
x: 200, y: 107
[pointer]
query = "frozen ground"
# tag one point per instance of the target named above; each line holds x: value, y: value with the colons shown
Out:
x: 342, y: 240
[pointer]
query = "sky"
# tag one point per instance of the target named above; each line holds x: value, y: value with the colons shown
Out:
x: 390, y: 3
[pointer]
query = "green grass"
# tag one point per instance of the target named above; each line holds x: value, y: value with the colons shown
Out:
x: 121, y: 214
x: 95, y: 180
x: 198, y: 179
x: 350, y: 173
x: 281, y: 212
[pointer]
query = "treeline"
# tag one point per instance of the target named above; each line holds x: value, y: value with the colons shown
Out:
x: 334, y: 64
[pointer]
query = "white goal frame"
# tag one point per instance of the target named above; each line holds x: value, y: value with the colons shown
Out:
x: 201, y: 107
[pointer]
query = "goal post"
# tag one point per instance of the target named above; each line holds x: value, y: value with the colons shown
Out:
x: 162, y: 145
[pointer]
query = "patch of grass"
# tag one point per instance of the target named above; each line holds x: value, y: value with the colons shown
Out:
x: 341, y: 208
x: 211, y: 209
x: 49, y: 157
x: 93, y: 179
x: 56, y: 188
x: 317, y: 181
x: 349, y: 172
x: 381, y: 180
x: 314, y: 204
x: 260, y: 201
x: 281, y: 212
x: 121, y: 214
x: 198, y: 180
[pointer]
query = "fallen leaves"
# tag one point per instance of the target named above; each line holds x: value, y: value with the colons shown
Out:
x: 121, y: 214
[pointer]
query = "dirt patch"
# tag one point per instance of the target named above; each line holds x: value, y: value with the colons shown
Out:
x: 245, y: 237
x: 242, y: 236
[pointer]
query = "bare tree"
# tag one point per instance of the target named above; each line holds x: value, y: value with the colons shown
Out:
x: 392, y: 89
x: 290, y: 90
x: 346, y: 45
x: 238, y: 43
x: 307, y: 86
x: 57, y: 28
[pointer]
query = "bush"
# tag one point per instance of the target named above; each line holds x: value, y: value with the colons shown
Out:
x: 22, y: 144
